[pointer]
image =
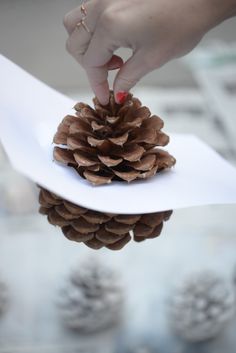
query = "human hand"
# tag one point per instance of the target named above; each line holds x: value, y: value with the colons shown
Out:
x: 156, y: 31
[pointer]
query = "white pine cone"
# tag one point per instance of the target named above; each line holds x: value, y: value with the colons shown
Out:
x: 3, y: 298
x: 201, y: 307
x: 141, y: 349
x: 92, y: 298
x: 234, y: 277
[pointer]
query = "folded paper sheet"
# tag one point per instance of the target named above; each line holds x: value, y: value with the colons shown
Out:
x: 30, y: 112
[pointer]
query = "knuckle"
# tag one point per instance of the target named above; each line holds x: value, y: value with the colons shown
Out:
x: 67, y: 21
x: 108, y: 19
x: 128, y: 81
x: 151, y: 62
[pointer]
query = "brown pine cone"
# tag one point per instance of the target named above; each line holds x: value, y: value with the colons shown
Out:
x: 97, y: 229
x: 113, y: 142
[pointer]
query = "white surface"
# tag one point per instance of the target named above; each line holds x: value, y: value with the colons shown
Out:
x: 29, y: 115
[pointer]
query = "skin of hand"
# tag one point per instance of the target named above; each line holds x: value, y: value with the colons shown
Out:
x: 156, y: 31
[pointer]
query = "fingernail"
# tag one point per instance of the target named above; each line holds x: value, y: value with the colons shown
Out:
x: 121, y: 97
x: 114, y: 67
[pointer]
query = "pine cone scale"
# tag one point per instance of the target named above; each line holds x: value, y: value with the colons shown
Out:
x: 43, y: 210
x: 120, y: 140
x: 140, y: 135
x: 74, y: 209
x: 142, y: 230
x: 129, y: 126
x: 132, y: 153
x: 84, y: 227
x: 64, y: 128
x: 113, y: 120
x: 94, y: 142
x: 68, y: 120
x: 107, y: 237
x: 127, y: 219
x: 127, y: 176
x: 149, y: 174
x: 85, y: 159
x: 64, y: 213
x: 96, y: 179
x: 153, y: 122
x: 147, y: 162
x: 96, y: 217
x: 94, y: 244
x: 50, y: 198
x: 120, y: 243
x: 152, y: 220
x: 80, y: 127
x: 71, y: 234
x: 60, y: 138
x: 74, y: 143
x: 109, y: 161
x: 117, y: 228
x: 55, y: 219
x: 156, y: 231
x: 64, y: 156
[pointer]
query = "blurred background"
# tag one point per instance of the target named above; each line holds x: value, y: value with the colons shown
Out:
x: 32, y: 34
x: 194, y: 95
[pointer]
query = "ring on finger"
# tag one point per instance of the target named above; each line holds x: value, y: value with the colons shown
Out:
x: 82, y: 21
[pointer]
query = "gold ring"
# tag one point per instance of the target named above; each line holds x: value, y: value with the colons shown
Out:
x: 82, y: 21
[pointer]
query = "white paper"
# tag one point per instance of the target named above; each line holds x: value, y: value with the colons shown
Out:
x: 30, y: 112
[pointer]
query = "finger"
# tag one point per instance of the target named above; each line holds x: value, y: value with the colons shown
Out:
x: 72, y: 18
x: 132, y: 71
x: 78, y: 42
x: 100, y: 49
x: 98, y: 78
x: 99, y: 83
x: 80, y: 24
x: 96, y: 62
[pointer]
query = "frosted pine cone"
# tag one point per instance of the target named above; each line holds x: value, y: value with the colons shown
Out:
x: 97, y: 229
x: 3, y: 298
x: 234, y: 278
x: 201, y: 307
x: 115, y: 142
x: 92, y: 298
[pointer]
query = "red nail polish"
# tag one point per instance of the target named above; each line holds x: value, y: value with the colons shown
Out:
x: 121, y: 97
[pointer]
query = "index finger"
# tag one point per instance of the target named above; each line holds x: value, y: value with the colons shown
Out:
x: 98, y: 78
x: 95, y: 61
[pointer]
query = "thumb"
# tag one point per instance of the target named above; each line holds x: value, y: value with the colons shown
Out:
x: 131, y: 72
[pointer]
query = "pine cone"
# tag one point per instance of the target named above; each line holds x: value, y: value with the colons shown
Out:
x: 234, y: 278
x: 201, y: 307
x: 92, y: 298
x: 98, y: 229
x: 141, y: 349
x: 3, y: 298
x: 115, y: 142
